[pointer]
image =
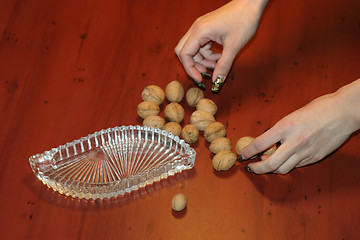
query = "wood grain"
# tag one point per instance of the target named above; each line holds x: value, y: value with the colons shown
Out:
x: 70, y: 68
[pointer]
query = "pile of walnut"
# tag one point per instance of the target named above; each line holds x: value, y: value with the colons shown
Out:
x: 202, y: 119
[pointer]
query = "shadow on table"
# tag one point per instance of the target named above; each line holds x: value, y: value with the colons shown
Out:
x: 50, y: 196
x: 333, y: 174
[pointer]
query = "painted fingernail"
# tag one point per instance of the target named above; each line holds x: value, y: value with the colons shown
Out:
x: 248, y: 169
x: 218, y: 83
x: 199, y: 84
x: 206, y: 75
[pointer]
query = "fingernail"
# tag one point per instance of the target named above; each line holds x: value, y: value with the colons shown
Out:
x: 218, y: 83
x: 206, y: 75
x: 199, y: 84
x: 248, y: 169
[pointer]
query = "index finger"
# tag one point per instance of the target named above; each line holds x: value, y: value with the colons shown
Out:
x: 191, y: 47
x: 181, y: 43
x: 261, y: 143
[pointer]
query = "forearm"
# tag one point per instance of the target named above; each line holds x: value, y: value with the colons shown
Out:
x: 261, y: 3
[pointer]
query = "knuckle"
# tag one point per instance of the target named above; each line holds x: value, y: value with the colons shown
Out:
x: 200, y: 26
x: 258, y: 146
x: 287, y: 124
x: 181, y: 55
x: 301, y: 140
x: 177, y: 50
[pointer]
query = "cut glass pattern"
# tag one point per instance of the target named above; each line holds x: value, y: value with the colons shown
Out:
x: 113, y: 162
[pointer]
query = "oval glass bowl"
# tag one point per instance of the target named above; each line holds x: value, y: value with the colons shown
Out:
x: 113, y: 162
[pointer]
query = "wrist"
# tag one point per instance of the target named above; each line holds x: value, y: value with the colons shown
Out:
x: 259, y: 5
x: 349, y: 98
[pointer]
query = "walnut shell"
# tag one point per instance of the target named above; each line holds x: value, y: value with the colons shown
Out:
x: 153, y: 93
x: 201, y: 119
x: 206, y: 105
x: 220, y: 144
x: 270, y: 151
x: 173, y: 127
x: 214, y: 130
x: 174, y: 91
x: 193, y: 95
x: 224, y: 160
x: 179, y: 202
x: 190, y: 133
x: 154, y: 121
x: 242, y: 143
x: 145, y: 109
x: 174, y: 112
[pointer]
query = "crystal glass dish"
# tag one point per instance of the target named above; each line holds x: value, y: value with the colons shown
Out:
x: 113, y: 162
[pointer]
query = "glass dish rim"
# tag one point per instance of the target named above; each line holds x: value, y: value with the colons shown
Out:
x: 190, y: 155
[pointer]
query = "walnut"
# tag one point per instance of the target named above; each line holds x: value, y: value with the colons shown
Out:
x: 174, y: 91
x: 154, y: 121
x: 193, y: 95
x: 174, y: 112
x: 179, y: 202
x: 145, y: 109
x: 190, y: 133
x: 153, y: 93
x: 173, y: 127
x: 206, y: 105
x: 201, y: 119
x: 214, y: 130
x: 220, y: 144
x: 242, y: 143
x: 224, y: 160
x: 270, y: 151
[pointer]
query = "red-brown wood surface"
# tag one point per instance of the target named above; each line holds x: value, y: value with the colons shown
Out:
x: 70, y: 68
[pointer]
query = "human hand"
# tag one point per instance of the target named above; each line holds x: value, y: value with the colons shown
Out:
x: 308, y: 134
x: 231, y: 26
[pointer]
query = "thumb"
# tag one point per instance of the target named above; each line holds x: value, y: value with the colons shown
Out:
x: 223, y: 66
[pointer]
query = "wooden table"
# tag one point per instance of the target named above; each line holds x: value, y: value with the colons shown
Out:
x: 70, y: 68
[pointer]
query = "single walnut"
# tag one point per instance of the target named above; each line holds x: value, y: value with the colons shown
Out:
x: 174, y: 91
x: 154, y: 121
x: 193, y: 95
x: 145, y: 109
x: 224, y: 160
x: 206, y: 105
x: 153, y: 93
x: 201, y: 119
x: 214, y: 130
x: 220, y: 144
x: 190, y: 133
x: 179, y: 202
x: 173, y: 127
x: 174, y: 112
x: 270, y: 151
x: 242, y: 143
